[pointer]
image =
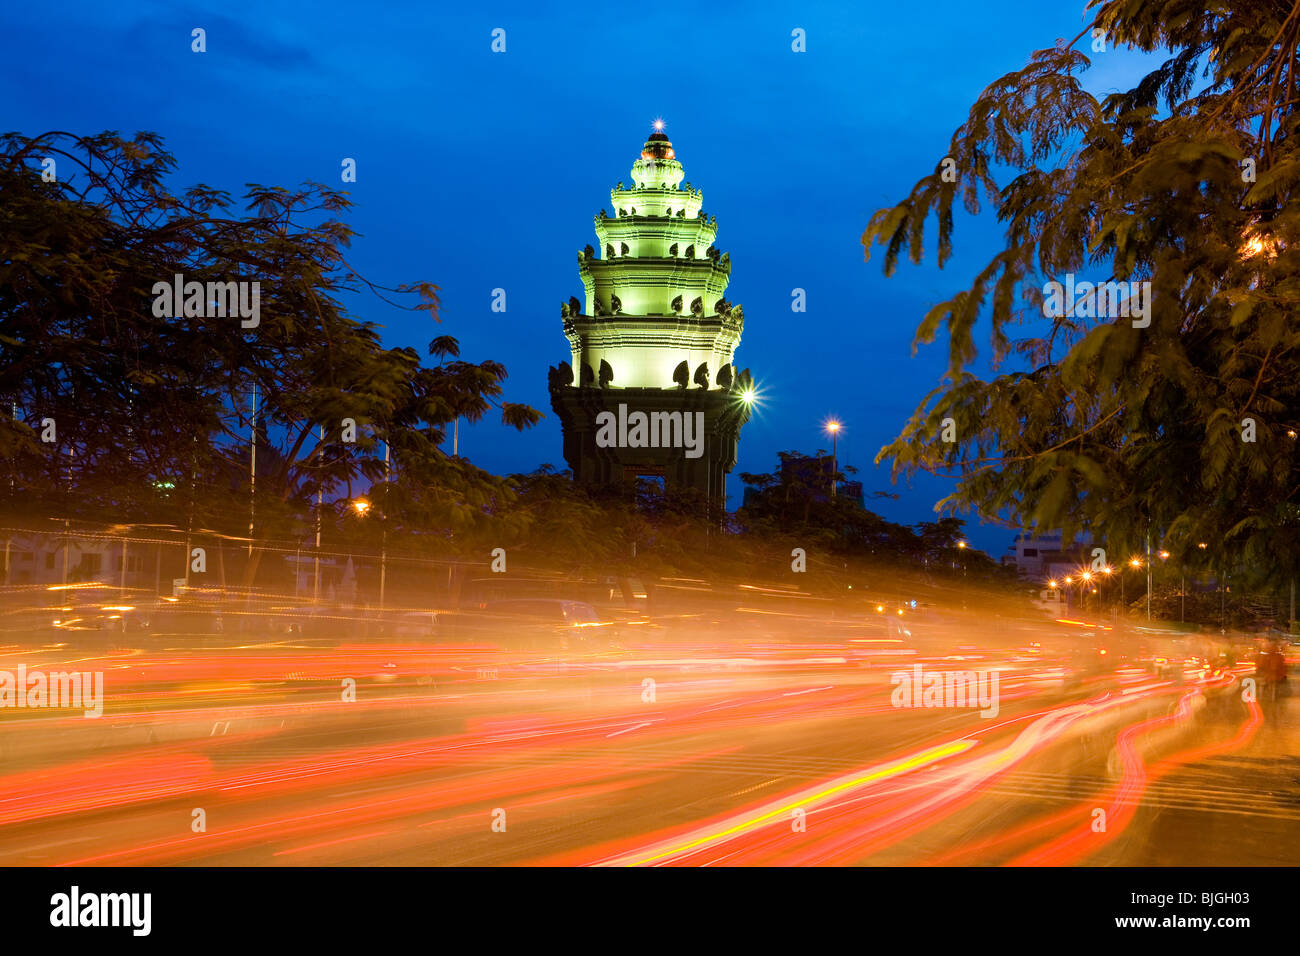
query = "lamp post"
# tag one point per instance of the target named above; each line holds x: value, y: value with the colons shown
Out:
x: 1164, y: 556
x: 383, y: 532
x: 1148, y: 574
x: 1202, y: 546
x: 834, y: 428
x: 1135, y: 563
x: 320, y: 500
x: 252, y: 477
x: 363, y: 507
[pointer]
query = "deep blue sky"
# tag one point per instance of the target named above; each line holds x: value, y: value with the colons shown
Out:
x: 479, y: 170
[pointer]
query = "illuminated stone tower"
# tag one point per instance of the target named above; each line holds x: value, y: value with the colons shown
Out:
x: 656, y: 391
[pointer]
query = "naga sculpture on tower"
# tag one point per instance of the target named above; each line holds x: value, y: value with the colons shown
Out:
x: 653, y: 390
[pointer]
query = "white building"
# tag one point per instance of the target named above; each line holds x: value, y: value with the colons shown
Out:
x: 1043, y: 556
x: 49, y: 559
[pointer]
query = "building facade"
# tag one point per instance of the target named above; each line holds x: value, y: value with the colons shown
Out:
x: 1043, y: 555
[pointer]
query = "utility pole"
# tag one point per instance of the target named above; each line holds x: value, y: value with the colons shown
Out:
x: 1148, y: 575
x: 67, y: 525
x: 1223, y: 602
x: 252, y: 473
x: 383, y: 533
x: 320, y: 493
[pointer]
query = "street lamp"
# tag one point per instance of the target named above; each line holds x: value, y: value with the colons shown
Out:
x: 1182, y: 581
x: 1136, y: 564
x: 834, y: 428
x: 362, y: 507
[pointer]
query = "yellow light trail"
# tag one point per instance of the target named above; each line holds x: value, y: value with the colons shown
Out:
x: 889, y: 770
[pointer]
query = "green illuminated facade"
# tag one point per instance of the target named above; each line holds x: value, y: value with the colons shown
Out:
x: 655, y: 335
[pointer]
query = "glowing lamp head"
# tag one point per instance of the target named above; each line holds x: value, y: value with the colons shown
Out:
x: 832, y: 427
x: 361, y: 506
x: 658, y: 147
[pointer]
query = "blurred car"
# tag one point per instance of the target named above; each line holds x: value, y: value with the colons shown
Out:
x: 412, y: 625
x: 171, y: 617
x: 1167, y: 653
x: 546, y: 623
x: 106, y: 613
x: 320, y: 623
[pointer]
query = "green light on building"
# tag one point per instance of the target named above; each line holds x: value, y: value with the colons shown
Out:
x: 655, y: 332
